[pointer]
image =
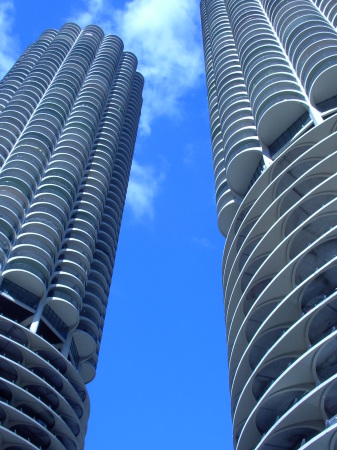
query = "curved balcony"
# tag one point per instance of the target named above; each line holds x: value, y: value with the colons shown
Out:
x: 264, y: 274
x: 26, y: 164
x: 242, y: 162
x: 9, y: 221
x: 277, y: 113
x: 82, y: 253
x: 293, y: 152
x: 100, y: 270
x: 112, y: 212
x: 288, y: 205
x: 23, y: 188
x: 81, y: 238
x: 97, y: 291
x: 93, y: 302
x: 68, y: 161
x: 88, y: 202
x: 89, y: 190
x: 50, y: 212
x: 85, y: 343
x: 293, y: 436
x: 329, y: 9
x: 219, y: 165
x: 41, y: 235
x: 82, y: 224
x: 320, y: 400
x: 88, y: 371
x: 321, y: 80
x: 91, y: 314
x: 42, y: 256
x: 323, y: 319
x: 107, y: 236
x: 29, y: 436
x: 62, y: 184
x: 279, y: 375
x: 233, y: 131
x: 47, y: 226
x: 65, y: 305
x: 49, y: 379
x: 67, y: 172
x: 27, y: 273
x: 99, y: 278
x: 72, y: 255
x: 73, y: 147
x: 32, y: 405
x: 70, y: 281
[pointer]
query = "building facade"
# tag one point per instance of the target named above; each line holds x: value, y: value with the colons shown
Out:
x: 271, y: 70
x: 69, y: 113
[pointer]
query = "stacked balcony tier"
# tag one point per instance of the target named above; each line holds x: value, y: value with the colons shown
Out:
x: 310, y: 42
x: 276, y: 97
x: 24, y: 65
x: 226, y: 205
x: 43, y: 402
x: 329, y: 9
x: 280, y: 291
x: 97, y: 289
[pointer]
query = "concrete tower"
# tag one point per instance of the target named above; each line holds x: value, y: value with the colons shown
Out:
x: 271, y: 70
x: 69, y: 113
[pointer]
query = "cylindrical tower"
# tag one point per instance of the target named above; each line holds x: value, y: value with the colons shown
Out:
x: 234, y: 138
x: 280, y: 256
x: 69, y: 116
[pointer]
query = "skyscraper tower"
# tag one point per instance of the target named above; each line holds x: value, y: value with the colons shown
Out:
x: 271, y: 70
x: 69, y: 113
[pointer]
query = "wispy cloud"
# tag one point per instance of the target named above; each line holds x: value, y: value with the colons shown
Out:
x: 144, y: 186
x: 202, y: 242
x: 8, y: 42
x: 163, y: 35
x: 189, y: 155
x: 90, y: 14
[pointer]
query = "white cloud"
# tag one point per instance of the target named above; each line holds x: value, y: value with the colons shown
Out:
x: 143, y: 187
x: 8, y: 43
x: 162, y: 33
x: 90, y: 15
x: 164, y: 36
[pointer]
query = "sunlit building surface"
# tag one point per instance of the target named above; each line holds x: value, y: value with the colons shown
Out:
x: 271, y: 69
x: 70, y: 109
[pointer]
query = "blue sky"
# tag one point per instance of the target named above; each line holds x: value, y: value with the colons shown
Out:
x: 162, y: 380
